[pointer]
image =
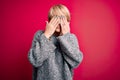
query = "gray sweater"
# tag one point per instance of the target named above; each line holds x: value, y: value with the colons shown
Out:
x: 56, y: 58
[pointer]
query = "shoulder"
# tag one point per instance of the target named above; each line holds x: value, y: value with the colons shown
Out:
x: 71, y: 35
x: 38, y: 33
x: 74, y: 35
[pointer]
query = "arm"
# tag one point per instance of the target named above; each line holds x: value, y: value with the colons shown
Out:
x: 40, y: 50
x: 69, y: 46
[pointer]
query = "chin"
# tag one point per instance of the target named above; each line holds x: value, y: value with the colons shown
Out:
x: 57, y: 30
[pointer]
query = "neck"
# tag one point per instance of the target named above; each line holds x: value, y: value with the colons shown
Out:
x: 56, y: 34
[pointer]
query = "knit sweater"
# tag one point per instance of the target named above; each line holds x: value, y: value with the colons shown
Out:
x: 56, y: 58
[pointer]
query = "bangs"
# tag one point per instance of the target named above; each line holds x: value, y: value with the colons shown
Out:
x: 59, y: 10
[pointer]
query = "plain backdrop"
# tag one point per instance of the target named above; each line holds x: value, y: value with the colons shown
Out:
x: 96, y: 23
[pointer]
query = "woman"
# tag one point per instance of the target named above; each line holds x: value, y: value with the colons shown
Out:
x: 55, y: 52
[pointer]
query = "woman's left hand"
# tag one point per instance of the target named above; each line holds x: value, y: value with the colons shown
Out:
x: 65, y: 28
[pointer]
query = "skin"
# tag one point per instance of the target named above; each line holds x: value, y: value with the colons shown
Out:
x: 58, y: 26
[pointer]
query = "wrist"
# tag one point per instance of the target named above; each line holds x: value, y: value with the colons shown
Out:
x: 47, y: 35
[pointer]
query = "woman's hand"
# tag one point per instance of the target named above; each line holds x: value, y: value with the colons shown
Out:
x: 64, y: 25
x: 51, y: 26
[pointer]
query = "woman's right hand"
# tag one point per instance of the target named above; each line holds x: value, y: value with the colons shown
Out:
x: 51, y: 26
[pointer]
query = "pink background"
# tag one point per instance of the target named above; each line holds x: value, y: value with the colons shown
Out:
x: 96, y: 23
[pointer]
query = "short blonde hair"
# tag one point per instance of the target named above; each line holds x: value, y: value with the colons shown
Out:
x: 58, y: 10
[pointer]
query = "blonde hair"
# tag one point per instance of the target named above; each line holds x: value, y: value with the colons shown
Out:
x: 58, y: 10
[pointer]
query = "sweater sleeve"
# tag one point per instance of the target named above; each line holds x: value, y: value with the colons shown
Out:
x: 40, y: 50
x: 70, y: 48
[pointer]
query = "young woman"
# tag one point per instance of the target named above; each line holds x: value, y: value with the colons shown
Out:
x: 55, y: 51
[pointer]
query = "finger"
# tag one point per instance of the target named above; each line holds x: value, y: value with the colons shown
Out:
x: 68, y: 27
x: 53, y: 19
x: 56, y: 18
x: 66, y: 23
x: 62, y: 27
x: 56, y: 25
x: 60, y: 20
x: 64, y: 20
x: 57, y: 21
